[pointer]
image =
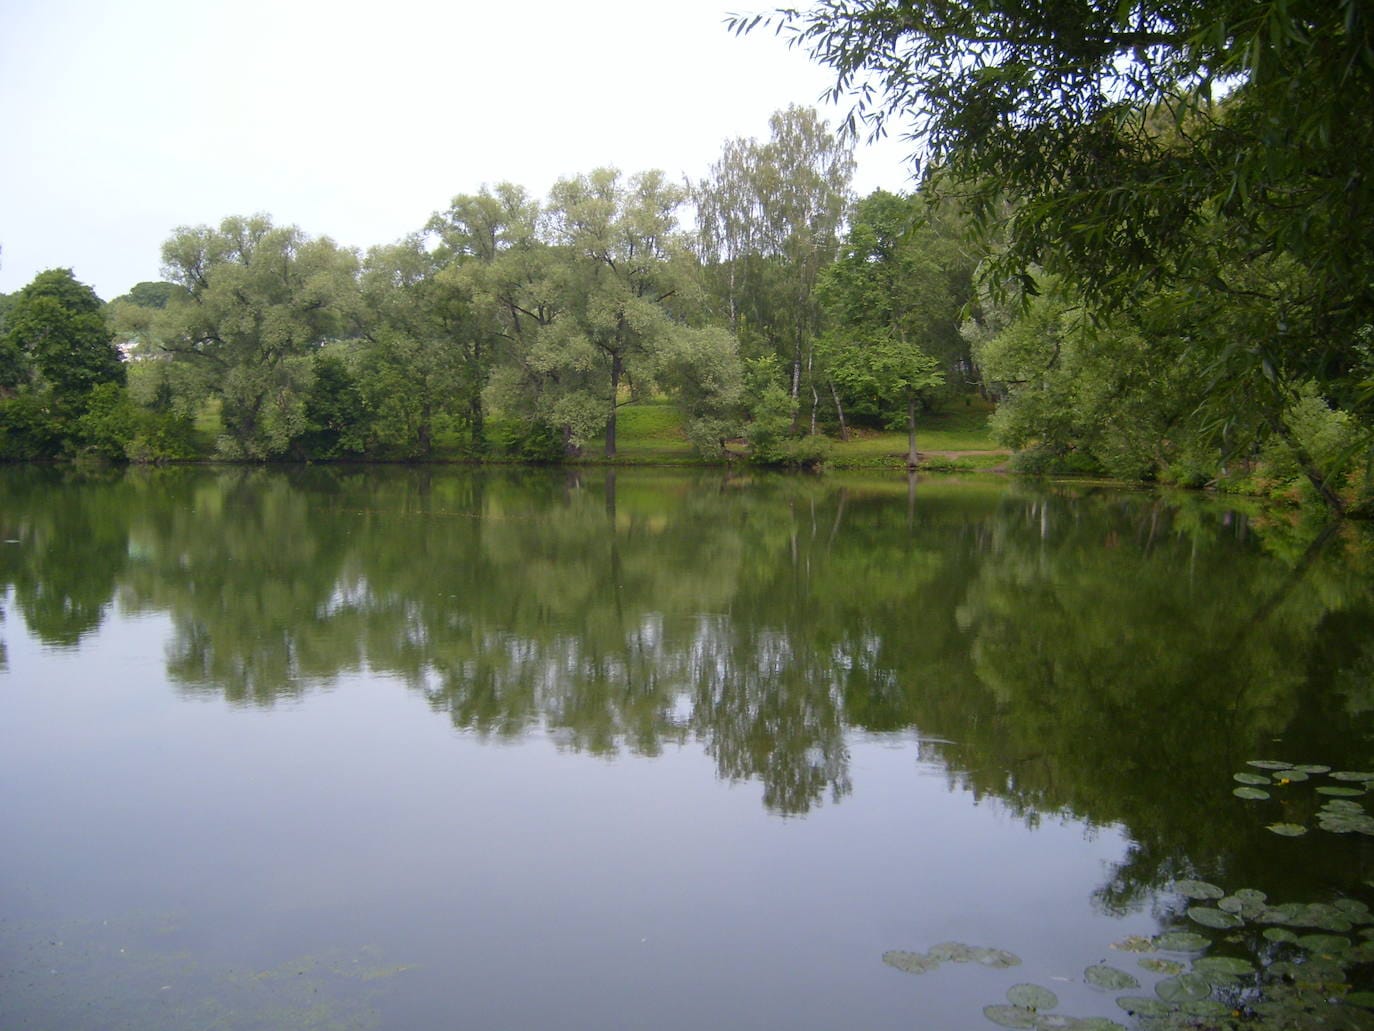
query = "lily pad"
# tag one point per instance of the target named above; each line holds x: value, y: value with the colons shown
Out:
x: 1353, y: 908
x: 1229, y: 966
x: 1328, y: 944
x: 995, y: 959
x: 911, y: 962
x: 1280, y: 934
x: 1312, y: 768
x: 952, y: 952
x: 1340, y: 792
x: 1217, y: 918
x: 1010, y: 1016
x: 1352, y: 775
x: 1288, y: 830
x: 1140, y: 1006
x: 1251, y: 794
x: 1244, y: 906
x: 1251, y: 778
x: 1097, y: 1024
x: 1269, y: 764
x: 1182, y: 941
x: 1167, y: 967
x: 1109, y: 978
x: 1135, y: 943
x: 1290, y: 777
x: 1342, y: 805
x: 1198, y: 889
x: 1184, y: 988
x: 1032, y: 997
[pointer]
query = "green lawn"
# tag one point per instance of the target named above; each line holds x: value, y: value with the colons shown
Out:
x: 651, y: 434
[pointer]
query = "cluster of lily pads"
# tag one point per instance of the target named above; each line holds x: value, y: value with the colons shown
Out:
x: 1295, y: 974
x: 1339, y: 813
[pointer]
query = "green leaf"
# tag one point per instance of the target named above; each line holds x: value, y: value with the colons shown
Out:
x: 1250, y: 794
x: 1269, y: 764
x: 1032, y: 997
x: 1168, y: 967
x: 1287, y: 830
x: 1209, y: 917
x: 1010, y: 1016
x: 1338, y: 792
x: 1197, y: 889
x: 1184, y: 988
x: 1230, y: 966
x: 1182, y: 941
x: 1251, y: 778
x: 1109, y: 978
x: 1139, y: 1006
x: 1352, y: 775
x: 910, y: 962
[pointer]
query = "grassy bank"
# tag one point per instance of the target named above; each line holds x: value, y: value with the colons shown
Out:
x: 956, y: 439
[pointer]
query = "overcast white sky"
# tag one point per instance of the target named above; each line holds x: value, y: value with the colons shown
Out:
x: 123, y: 119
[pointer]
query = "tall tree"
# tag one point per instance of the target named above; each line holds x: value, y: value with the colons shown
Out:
x: 55, y: 336
x: 769, y: 218
x: 893, y: 303
x: 259, y: 301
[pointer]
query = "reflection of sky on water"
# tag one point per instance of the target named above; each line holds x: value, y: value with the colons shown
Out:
x: 531, y: 885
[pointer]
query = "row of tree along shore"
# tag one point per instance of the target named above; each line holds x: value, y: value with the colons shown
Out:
x: 775, y: 312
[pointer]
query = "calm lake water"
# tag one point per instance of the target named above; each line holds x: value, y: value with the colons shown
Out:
x: 433, y: 748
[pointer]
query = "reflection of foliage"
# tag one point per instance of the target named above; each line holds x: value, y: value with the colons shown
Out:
x: 1072, y: 646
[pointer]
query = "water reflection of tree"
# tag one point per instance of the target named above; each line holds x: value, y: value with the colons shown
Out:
x: 1072, y: 650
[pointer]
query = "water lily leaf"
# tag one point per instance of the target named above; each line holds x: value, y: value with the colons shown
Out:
x: 1184, y: 988
x: 1280, y: 934
x: 1339, y: 792
x: 1250, y: 794
x: 1353, y: 908
x: 910, y: 962
x: 996, y: 959
x: 1032, y: 997
x: 1209, y: 917
x: 1251, y: 778
x: 1010, y: 1016
x: 1056, y: 1022
x: 1097, y: 1024
x: 1109, y: 978
x: 1324, y: 943
x: 1197, y: 889
x: 953, y: 952
x: 1230, y: 966
x: 1290, y: 777
x: 1342, y: 805
x: 1251, y: 895
x: 1182, y: 941
x: 1312, y: 768
x: 1135, y: 943
x: 1240, y: 905
x: 1288, y: 830
x: 1352, y: 775
x: 1269, y: 764
x: 1139, y: 1006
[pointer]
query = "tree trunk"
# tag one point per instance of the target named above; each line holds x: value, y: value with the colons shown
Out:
x: 839, y: 410
x: 911, y: 456
x: 616, y: 368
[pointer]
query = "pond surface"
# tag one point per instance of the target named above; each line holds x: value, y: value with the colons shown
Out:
x: 392, y: 748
